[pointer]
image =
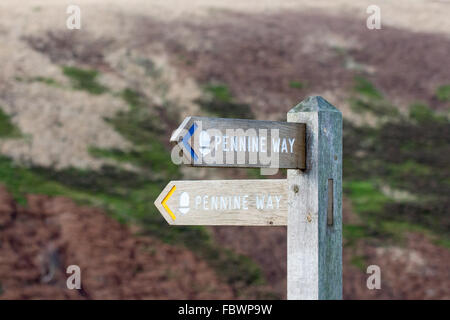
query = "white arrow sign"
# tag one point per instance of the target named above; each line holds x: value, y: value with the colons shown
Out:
x: 225, y: 202
x: 218, y: 142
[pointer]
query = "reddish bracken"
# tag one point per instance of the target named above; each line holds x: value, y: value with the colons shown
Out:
x: 37, y: 244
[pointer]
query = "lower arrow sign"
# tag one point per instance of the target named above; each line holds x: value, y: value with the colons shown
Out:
x: 225, y: 202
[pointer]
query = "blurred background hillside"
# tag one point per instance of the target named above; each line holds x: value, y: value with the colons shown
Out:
x: 86, y: 116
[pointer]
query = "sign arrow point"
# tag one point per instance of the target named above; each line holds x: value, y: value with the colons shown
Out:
x: 164, y: 204
x: 178, y: 133
x: 161, y: 203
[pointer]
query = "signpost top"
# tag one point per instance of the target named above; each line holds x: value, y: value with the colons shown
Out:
x: 314, y: 104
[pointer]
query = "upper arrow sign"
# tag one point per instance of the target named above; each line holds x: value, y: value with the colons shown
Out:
x: 218, y: 142
x: 225, y: 202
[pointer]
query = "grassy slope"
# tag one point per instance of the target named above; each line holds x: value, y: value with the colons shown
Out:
x: 394, y: 153
x: 128, y: 196
x: 403, y: 153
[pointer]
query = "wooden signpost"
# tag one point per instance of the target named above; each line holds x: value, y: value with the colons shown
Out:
x: 315, y: 206
x: 309, y: 201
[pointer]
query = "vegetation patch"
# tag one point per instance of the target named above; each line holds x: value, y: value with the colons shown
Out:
x: 7, y: 128
x: 296, y: 85
x: 21, y: 181
x: 48, y: 81
x: 359, y: 262
x: 365, y: 88
x: 405, y: 153
x: 219, y: 102
x: 443, y: 93
x: 367, y: 99
x: 353, y: 233
x: 366, y: 197
x: 84, y: 79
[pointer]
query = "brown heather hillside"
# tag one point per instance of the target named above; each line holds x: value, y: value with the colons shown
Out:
x: 38, y: 243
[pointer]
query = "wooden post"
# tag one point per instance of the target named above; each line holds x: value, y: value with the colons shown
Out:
x: 314, y: 235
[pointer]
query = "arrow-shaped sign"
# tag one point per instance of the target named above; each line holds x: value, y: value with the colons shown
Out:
x: 218, y: 142
x: 224, y: 202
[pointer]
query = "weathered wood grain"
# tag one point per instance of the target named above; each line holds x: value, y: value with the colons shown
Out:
x: 315, y: 241
x: 225, y: 202
x: 241, y: 143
